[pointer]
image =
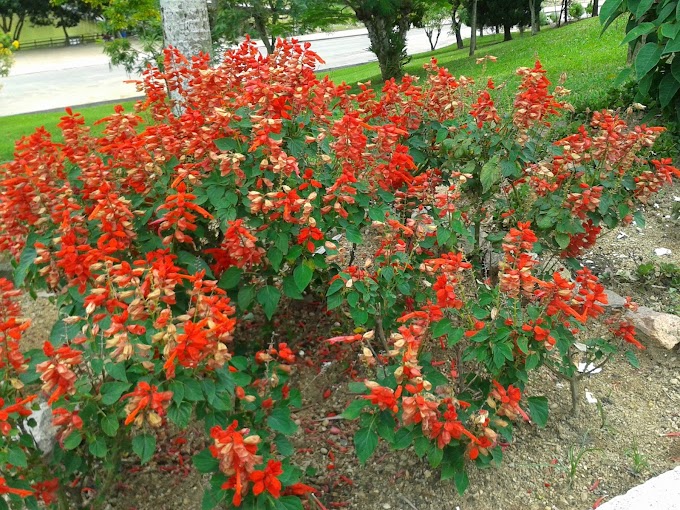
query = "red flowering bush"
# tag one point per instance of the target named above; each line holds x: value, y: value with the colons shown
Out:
x: 155, y: 237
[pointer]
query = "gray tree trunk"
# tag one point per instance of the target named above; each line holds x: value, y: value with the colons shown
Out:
x: 473, y: 28
x: 185, y: 26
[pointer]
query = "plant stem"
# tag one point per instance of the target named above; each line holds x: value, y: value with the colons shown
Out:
x: 574, y: 386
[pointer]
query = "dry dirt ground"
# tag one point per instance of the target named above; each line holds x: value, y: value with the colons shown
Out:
x: 628, y: 436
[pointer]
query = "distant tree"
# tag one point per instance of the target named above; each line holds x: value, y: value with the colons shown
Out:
x: 433, y: 20
x: 15, y: 13
x: 456, y: 21
x: 265, y: 19
x: 387, y: 23
x: 505, y: 14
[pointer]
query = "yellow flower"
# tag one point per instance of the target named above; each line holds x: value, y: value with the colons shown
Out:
x: 15, y: 44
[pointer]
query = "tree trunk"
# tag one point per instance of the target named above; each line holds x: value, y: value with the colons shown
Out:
x: 473, y: 28
x: 507, y: 34
x: 535, y: 22
x: 388, y: 43
x: 459, y: 38
x: 186, y: 27
x: 455, y: 24
x: 66, y: 37
x: 596, y: 8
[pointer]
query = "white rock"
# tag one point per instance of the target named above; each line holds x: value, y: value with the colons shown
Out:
x: 659, y: 493
x: 44, y: 432
x: 590, y: 399
x: 662, y: 252
x: 622, y: 235
x: 663, y: 328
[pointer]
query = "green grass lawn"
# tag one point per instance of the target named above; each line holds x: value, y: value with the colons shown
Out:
x: 590, y: 62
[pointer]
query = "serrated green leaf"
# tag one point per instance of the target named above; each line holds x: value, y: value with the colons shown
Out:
x: 490, y: 174
x: 303, y: 275
x: 73, y: 440
x: 98, y: 448
x: 245, y: 297
x: 461, y: 480
x: 144, y: 447
x: 435, y: 456
x: 562, y: 240
x: 288, y: 503
x: 26, y: 261
x: 354, y: 409
x: 204, y: 462
x: 290, y: 288
x: 180, y: 414
x: 269, y: 297
x: 283, y: 445
x: 109, y: 424
x: 230, y: 278
x: 112, y: 391
x: 539, y: 410
x: 17, y: 457
x: 365, y: 443
x: 279, y: 421
x: 441, y: 328
x: 632, y: 359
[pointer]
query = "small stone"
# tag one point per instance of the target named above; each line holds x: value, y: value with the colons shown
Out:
x: 662, y: 252
x: 675, y: 382
x: 427, y: 473
x: 324, y: 451
x: 386, y: 506
x: 663, y: 328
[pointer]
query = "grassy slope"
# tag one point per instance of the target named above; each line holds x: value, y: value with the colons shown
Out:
x: 590, y: 61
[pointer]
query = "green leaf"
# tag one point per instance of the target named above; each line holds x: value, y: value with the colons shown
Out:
x: 353, y: 235
x: 245, y: 297
x: 639, y: 219
x: 354, y: 409
x: 632, y: 359
x: 365, y: 443
x: 523, y: 344
x: 334, y: 301
x: 288, y: 503
x: 675, y: 66
x: 280, y: 421
x: 25, y: 262
x: 226, y: 144
x: 490, y: 174
x: 622, y: 77
x: 193, y: 263
x: 204, y: 462
x: 230, y: 278
x: 73, y: 440
x: 303, y: 275
x: 112, y: 391
x: 672, y: 46
x: 109, y: 424
x: 562, y: 240
x: 17, y: 457
x: 290, y: 288
x: 461, y: 480
x: 641, y: 29
x: 283, y: 445
x: 98, y: 447
x: 212, y: 498
x: 668, y: 89
x: 117, y: 371
x: 441, y: 328
x: 539, y: 410
x: 180, y: 414
x: 608, y: 9
x: 643, y: 7
x: 647, y: 59
x: 269, y: 297
x: 144, y: 446
x: 435, y: 457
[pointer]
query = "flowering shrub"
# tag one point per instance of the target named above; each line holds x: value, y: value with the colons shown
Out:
x: 156, y: 237
x: 7, y: 48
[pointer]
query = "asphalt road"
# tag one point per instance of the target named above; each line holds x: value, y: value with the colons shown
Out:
x: 70, y: 76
